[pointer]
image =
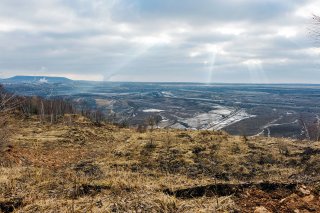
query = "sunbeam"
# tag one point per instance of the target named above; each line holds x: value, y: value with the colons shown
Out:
x: 257, y: 73
x: 146, y: 43
x: 211, y: 66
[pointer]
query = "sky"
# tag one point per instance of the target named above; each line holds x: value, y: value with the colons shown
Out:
x: 227, y: 41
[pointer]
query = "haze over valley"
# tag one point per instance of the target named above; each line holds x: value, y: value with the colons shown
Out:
x: 279, y: 110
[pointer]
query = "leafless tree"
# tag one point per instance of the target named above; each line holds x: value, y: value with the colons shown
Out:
x: 8, y: 103
x: 150, y: 121
x: 97, y: 116
x: 313, y: 130
x: 305, y: 128
x: 315, y: 28
x: 142, y: 128
x: 311, y: 127
x: 4, y: 133
x: 47, y: 110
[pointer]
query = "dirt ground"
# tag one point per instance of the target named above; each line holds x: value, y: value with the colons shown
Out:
x: 80, y: 167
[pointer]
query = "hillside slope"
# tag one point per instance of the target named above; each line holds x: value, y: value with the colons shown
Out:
x: 79, y: 167
x: 35, y: 79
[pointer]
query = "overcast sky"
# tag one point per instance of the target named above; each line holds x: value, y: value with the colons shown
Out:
x: 253, y: 41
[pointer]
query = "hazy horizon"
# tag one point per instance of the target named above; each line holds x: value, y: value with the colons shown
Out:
x: 156, y: 82
x: 211, y: 41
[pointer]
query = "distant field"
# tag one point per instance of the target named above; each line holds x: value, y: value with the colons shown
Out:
x: 266, y: 110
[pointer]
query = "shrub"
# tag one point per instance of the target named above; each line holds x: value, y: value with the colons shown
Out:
x: 283, y: 149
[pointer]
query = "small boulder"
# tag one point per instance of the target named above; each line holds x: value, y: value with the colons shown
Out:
x: 10, y: 205
x: 308, y: 198
x: 261, y: 209
x: 304, y: 191
x: 290, y: 198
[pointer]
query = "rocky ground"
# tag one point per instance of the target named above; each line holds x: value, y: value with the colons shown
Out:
x: 81, y: 167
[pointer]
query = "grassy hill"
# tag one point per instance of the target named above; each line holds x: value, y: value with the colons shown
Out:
x: 79, y: 167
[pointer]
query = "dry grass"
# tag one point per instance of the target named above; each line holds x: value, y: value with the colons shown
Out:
x: 84, y: 168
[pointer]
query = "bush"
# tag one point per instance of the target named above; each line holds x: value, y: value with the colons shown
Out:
x: 150, y: 145
x: 142, y: 128
x: 284, y: 149
x: 4, y: 133
x: 235, y: 148
x: 197, y: 149
x: 8, y: 103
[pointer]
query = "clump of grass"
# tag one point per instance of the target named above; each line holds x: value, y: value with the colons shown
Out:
x: 198, y: 149
x: 235, y: 148
x: 284, y: 149
x: 150, y: 145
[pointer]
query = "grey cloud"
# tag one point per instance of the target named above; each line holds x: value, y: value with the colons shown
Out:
x: 159, y: 40
x: 204, y: 9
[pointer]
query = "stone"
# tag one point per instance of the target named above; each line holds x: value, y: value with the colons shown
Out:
x: 261, y: 209
x: 308, y: 198
x: 304, y: 191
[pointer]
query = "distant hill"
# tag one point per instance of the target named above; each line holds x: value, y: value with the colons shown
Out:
x: 37, y: 79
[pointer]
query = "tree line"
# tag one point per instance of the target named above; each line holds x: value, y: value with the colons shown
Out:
x: 47, y: 110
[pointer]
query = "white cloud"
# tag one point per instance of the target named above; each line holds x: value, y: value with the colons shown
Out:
x: 305, y: 11
x: 123, y: 38
x: 231, y: 30
x: 288, y: 32
x: 252, y: 62
x: 194, y: 54
x: 153, y: 40
x: 314, y: 51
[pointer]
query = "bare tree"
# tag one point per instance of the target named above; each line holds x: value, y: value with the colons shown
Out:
x: 150, y: 121
x: 315, y: 28
x: 305, y: 128
x: 310, y: 126
x: 46, y: 110
x: 8, y: 103
x: 4, y: 133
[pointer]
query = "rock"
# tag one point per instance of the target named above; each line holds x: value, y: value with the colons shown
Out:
x: 290, y: 198
x: 8, y: 206
x: 296, y: 211
x: 284, y: 200
x: 308, y: 199
x: 303, y: 190
x: 261, y: 209
x: 88, y: 168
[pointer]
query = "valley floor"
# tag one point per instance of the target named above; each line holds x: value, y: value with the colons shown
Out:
x: 80, y: 167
